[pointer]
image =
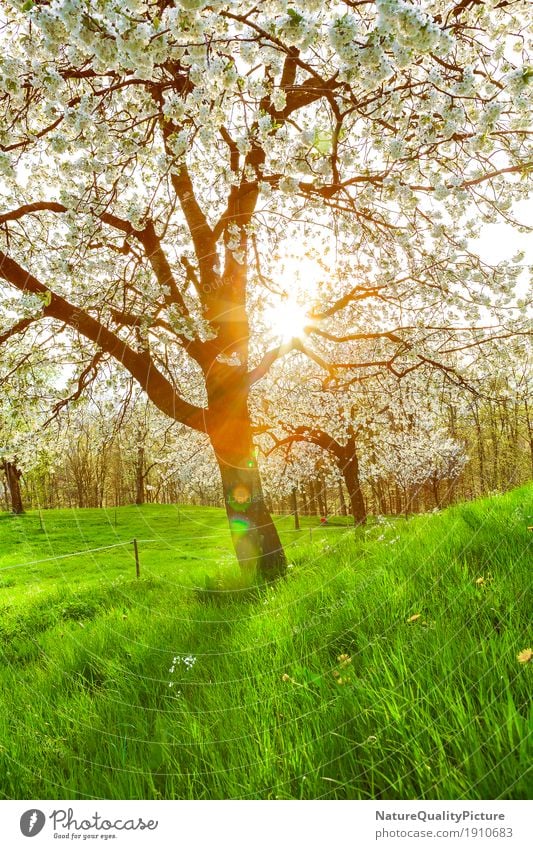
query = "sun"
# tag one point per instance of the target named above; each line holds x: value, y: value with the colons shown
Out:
x: 289, y: 315
x: 287, y: 319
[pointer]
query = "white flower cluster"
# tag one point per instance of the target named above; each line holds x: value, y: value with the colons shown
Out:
x: 6, y: 168
x: 234, y: 242
x: 412, y: 27
x: 185, y: 326
x: 520, y: 84
x: 187, y: 660
x: 343, y: 34
x: 233, y: 360
x: 178, y: 142
x: 296, y: 30
x: 174, y: 107
x: 403, y: 31
x: 193, y: 5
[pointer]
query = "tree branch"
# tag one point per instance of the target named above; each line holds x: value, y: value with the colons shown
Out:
x: 315, y: 436
x: 268, y: 360
x: 19, y: 327
x: 354, y: 337
x: 140, y: 365
x: 356, y: 294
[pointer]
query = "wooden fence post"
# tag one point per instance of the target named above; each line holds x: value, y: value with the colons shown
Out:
x: 137, y: 564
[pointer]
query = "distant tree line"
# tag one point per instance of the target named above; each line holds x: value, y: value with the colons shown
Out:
x: 108, y: 461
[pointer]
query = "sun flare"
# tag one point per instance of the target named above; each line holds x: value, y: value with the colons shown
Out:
x: 287, y: 319
x: 289, y: 315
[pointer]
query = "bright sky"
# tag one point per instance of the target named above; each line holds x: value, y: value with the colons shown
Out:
x: 502, y: 241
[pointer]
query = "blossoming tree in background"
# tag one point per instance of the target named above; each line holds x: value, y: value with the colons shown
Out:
x: 159, y: 159
x: 379, y: 429
x: 24, y: 401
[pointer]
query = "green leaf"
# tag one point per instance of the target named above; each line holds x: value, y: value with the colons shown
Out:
x: 323, y: 141
x: 29, y: 4
x: 295, y: 16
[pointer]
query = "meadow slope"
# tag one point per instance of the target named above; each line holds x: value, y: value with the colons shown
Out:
x: 384, y: 666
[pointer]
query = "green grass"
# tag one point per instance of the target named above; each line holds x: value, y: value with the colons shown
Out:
x: 436, y: 708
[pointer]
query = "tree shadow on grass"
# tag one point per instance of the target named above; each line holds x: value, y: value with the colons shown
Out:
x: 228, y: 592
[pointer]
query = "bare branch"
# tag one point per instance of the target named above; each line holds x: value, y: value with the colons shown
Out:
x: 86, y: 377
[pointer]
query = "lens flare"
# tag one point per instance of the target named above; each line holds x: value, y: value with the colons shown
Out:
x: 241, y: 494
x: 239, y: 525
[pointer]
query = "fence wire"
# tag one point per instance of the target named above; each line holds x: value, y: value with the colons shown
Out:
x: 84, y: 551
x: 65, y: 556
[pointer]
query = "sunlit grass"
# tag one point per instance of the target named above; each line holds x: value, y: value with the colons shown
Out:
x: 382, y: 667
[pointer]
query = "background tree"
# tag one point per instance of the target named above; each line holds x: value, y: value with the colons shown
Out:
x: 375, y: 431
x: 25, y: 394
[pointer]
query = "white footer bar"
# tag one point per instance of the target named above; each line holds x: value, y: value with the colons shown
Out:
x: 266, y: 824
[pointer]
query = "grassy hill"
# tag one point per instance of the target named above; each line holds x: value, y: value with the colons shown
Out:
x: 384, y: 666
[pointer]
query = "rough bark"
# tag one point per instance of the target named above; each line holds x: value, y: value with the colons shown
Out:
x: 294, y: 499
x: 313, y: 503
x: 342, y: 501
x: 347, y: 462
x: 350, y: 472
x: 529, y: 433
x: 436, y: 491
x: 320, y: 498
x: 139, y: 476
x: 255, y: 537
x: 13, y: 475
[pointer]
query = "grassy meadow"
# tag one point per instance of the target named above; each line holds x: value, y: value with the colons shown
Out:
x: 384, y: 666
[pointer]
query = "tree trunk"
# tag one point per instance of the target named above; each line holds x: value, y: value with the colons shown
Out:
x: 436, y: 492
x: 398, y: 503
x: 529, y: 433
x: 255, y: 537
x: 139, y: 476
x: 495, y: 448
x: 350, y: 472
x: 304, y: 502
x: 480, y: 450
x: 313, y: 504
x: 324, y: 491
x: 295, y: 509
x: 320, y: 497
x: 382, y: 499
x: 342, y: 502
x: 13, y: 475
